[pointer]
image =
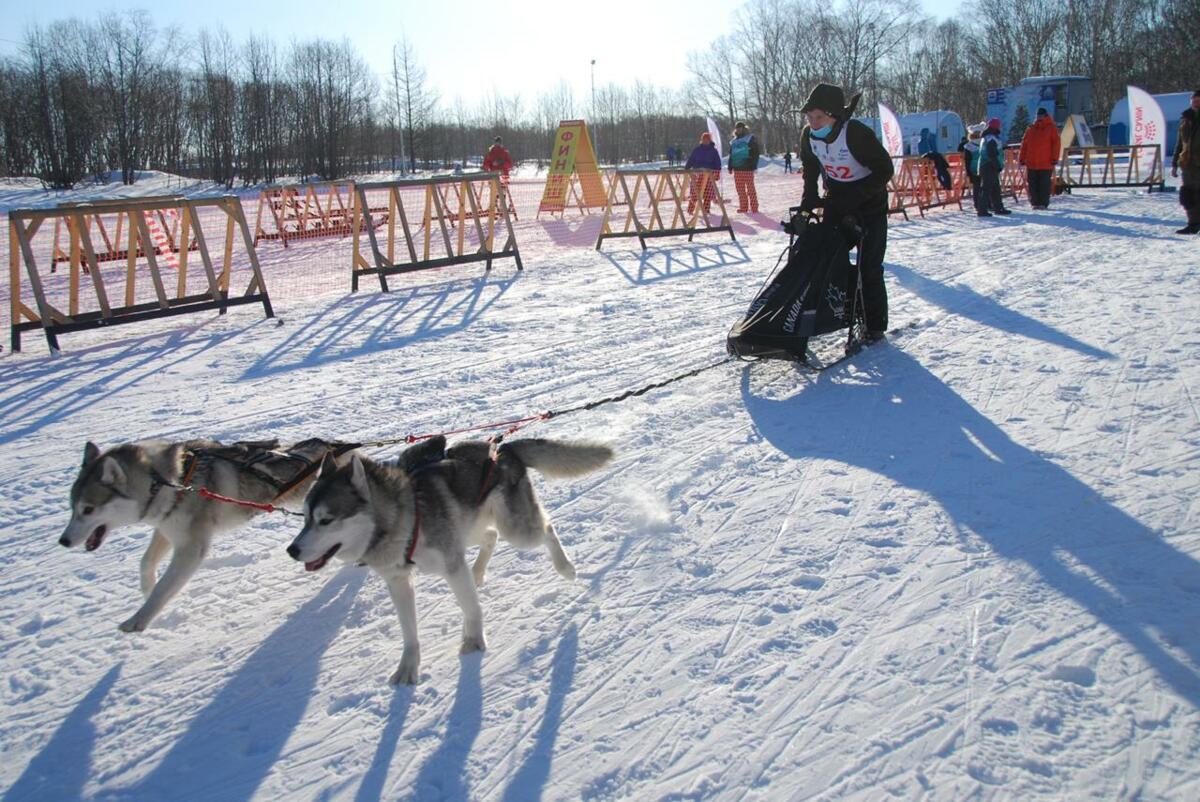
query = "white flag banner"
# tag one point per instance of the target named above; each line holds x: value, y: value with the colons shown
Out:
x: 714, y: 132
x: 893, y: 139
x: 1147, y: 126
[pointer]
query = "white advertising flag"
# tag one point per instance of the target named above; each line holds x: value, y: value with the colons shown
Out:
x: 1147, y: 126
x: 893, y: 139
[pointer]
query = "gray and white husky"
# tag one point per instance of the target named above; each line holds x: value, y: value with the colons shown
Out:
x: 391, y: 519
x: 137, y: 483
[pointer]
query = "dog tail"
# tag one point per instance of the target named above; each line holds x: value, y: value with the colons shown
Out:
x: 560, y: 458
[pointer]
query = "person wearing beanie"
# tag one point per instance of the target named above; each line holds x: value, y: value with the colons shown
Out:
x: 497, y: 160
x: 704, y: 157
x: 855, y: 169
x: 970, y: 152
x: 1040, y: 149
x: 1187, y: 159
x: 989, y: 163
x: 743, y: 161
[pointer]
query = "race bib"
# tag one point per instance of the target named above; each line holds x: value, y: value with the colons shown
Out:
x: 836, y: 160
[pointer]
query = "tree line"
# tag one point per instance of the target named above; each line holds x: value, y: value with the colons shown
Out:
x: 120, y: 93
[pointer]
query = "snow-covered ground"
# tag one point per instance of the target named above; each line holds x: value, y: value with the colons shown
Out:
x: 961, y: 565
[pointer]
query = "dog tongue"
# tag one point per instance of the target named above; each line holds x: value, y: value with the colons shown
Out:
x: 319, y: 563
x: 96, y: 538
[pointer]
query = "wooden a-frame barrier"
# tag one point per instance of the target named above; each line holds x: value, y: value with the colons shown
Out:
x: 1115, y: 166
x: 304, y: 211
x: 84, y: 259
x: 672, y: 188
x: 416, y: 216
x: 164, y: 230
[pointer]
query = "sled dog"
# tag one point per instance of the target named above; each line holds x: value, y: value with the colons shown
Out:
x: 391, y: 519
x: 138, y: 483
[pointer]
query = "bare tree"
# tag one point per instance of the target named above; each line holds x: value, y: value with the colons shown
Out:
x: 413, y: 102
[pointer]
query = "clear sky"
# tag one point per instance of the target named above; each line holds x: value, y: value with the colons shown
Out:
x: 470, y: 49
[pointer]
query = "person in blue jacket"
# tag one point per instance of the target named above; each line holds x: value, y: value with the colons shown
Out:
x: 989, y: 164
x: 743, y: 161
x: 704, y: 157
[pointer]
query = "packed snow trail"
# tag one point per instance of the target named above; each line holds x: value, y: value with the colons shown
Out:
x: 961, y: 564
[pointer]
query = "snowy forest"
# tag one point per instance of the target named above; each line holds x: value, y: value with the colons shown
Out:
x: 121, y: 93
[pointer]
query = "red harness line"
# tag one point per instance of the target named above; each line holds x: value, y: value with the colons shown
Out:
x: 254, y: 505
x: 513, y: 425
x: 412, y: 543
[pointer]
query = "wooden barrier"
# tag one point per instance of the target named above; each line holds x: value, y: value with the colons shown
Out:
x: 163, y: 223
x: 1013, y: 180
x: 81, y: 221
x: 915, y: 184
x: 654, y: 189
x: 1110, y: 167
x: 304, y: 211
x: 483, y: 211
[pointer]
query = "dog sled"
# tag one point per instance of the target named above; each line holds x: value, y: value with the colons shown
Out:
x: 818, y: 291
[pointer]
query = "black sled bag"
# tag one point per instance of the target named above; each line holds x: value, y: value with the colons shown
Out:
x: 809, y: 296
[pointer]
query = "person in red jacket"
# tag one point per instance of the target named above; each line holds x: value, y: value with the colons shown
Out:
x: 497, y: 160
x: 1040, y: 148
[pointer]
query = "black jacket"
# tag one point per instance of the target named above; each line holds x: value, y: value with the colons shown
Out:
x: 864, y: 196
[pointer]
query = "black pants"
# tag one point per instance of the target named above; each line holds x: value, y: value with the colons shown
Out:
x: 990, y: 199
x: 1039, y: 187
x: 1189, y: 194
x: 871, y: 251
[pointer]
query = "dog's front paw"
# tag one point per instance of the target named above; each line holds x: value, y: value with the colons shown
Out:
x: 409, y: 672
x: 566, y: 569
x: 472, y: 643
x: 134, y: 624
x: 479, y: 575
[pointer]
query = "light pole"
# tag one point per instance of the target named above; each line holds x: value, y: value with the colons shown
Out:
x: 595, y: 140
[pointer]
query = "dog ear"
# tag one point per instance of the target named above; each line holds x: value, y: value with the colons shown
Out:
x: 358, y: 477
x: 328, y: 466
x: 90, y: 452
x: 112, y: 474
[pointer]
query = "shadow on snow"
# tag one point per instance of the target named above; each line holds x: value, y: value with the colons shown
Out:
x: 911, y: 428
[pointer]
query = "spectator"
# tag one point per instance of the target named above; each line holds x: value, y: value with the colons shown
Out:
x: 704, y: 157
x: 1187, y: 157
x: 855, y: 170
x: 743, y: 161
x: 497, y: 160
x: 970, y: 152
x: 926, y: 142
x: 941, y: 167
x: 1040, y: 149
x: 989, y: 163
x: 787, y: 161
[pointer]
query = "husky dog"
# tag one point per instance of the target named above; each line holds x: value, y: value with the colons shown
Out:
x: 141, y: 482
x: 390, y: 519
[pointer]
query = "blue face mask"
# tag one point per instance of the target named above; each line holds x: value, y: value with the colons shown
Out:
x: 822, y: 132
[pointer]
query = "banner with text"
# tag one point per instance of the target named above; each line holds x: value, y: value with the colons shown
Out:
x: 1147, y: 126
x: 893, y: 140
x: 572, y: 156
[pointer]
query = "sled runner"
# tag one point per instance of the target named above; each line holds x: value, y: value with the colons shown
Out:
x: 817, y: 291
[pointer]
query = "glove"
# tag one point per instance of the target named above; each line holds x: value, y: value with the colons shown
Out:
x: 851, y: 229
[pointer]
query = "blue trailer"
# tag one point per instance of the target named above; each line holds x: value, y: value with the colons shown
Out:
x: 946, y: 128
x: 1060, y: 95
